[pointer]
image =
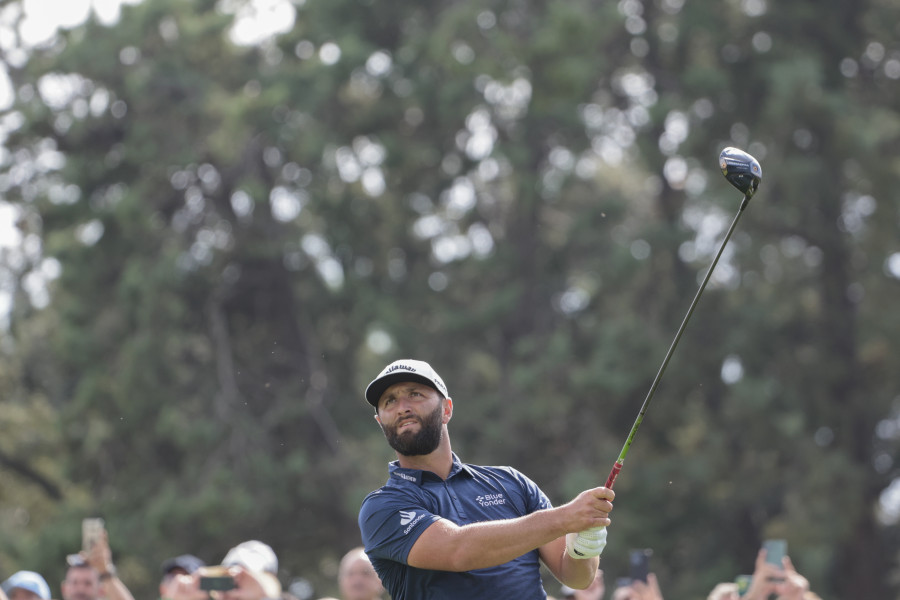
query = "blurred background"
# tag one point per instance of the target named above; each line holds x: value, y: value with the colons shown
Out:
x: 219, y: 219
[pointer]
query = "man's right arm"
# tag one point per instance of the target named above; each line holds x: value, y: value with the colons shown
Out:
x: 445, y: 546
x: 100, y: 557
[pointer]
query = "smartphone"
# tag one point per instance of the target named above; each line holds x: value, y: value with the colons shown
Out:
x: 215, y: 579
x: 217, y: 583
x: 639, y: 564
x: 91, y: 531
x: 743, y: 583
x: 775, y: 551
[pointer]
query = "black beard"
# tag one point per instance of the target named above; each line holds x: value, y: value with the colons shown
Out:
x: 417, y: 444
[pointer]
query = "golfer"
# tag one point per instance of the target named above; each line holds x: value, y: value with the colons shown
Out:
x: 440, y: 528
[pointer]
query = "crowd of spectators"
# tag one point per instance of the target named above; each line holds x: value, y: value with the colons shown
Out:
x: 249, y: 571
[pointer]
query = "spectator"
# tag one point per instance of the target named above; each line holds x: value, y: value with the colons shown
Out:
x: 784, y: 582
x: 357, y: 578
x: 622, y: 593
x: 26, y: 585
x: 254, y: 567
x: 595, y: 591
x: 724, y: 591
x: 82, y: 582
x: 795, y: 586
x: 184, y: 564
x: 638, y: 590
x: 765, y: 578
x: 91, y: 574
x: 182, y: 587
x: 250, y: 571
x: 176, y: 579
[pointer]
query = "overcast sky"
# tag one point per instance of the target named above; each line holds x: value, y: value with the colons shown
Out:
x: 256, y: 21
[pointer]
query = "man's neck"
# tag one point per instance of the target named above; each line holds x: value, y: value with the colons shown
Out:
x: 438, y: 462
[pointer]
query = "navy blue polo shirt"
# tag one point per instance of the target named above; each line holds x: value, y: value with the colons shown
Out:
x: 393, y: 517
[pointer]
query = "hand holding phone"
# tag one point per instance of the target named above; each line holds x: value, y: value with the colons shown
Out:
x: 622, y: 582
x: 639, y: 564
x: 216, y: 578
x: 776, y: 550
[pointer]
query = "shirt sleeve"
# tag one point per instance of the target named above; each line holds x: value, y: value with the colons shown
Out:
x: 391, y: 522
x: 535, y: 499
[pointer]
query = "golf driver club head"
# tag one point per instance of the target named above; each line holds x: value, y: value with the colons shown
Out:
x: 741, y: 170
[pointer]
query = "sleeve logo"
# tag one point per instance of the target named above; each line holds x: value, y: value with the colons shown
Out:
x: 410, y: 518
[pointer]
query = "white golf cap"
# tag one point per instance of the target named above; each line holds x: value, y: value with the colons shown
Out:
x: 28, y: 581
x: 254, y: 556
x: 260, y: 561
x: 404, y: 370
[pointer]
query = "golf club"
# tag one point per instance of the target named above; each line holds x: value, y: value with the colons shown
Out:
x: 744, y: 173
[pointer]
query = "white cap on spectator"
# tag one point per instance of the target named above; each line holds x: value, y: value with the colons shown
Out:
x: 253, y: 555
x: 260, y: 560
x: 29, y: 581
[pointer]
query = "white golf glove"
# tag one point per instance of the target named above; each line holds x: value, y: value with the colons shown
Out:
x: 587, y: 543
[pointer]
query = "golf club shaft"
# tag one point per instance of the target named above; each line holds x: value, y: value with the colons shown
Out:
x: 637, y: 423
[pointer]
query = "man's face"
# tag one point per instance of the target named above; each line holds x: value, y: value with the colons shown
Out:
x: 20, y: 594
x: 625, y: 593
x: 411, y: 416
x: 250, y: 586
x: 81, y: 583
x: 177, y: 583
x: 359, y: 581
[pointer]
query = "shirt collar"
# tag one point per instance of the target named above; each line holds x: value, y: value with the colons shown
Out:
x: 417, y: 476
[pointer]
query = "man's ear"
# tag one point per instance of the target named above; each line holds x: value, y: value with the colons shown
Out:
x: 376, y: 417
x: 448, y: 409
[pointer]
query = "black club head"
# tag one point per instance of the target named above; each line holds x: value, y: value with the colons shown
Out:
x: 741, y: 170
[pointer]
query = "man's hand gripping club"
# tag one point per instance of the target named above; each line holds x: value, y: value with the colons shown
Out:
x: 586, y: 544
x: 590, y: 542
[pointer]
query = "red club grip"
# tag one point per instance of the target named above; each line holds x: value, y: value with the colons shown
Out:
x: 613, y: 474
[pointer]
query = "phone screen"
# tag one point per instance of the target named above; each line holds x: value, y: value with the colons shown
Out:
x: 220, y: 583
x: 91, y: 530
x: 639, y: 564
x: 775, y: 551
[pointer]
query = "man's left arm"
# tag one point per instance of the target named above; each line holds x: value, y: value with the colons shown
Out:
x: 558, y: 554
x: 576, y: 573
